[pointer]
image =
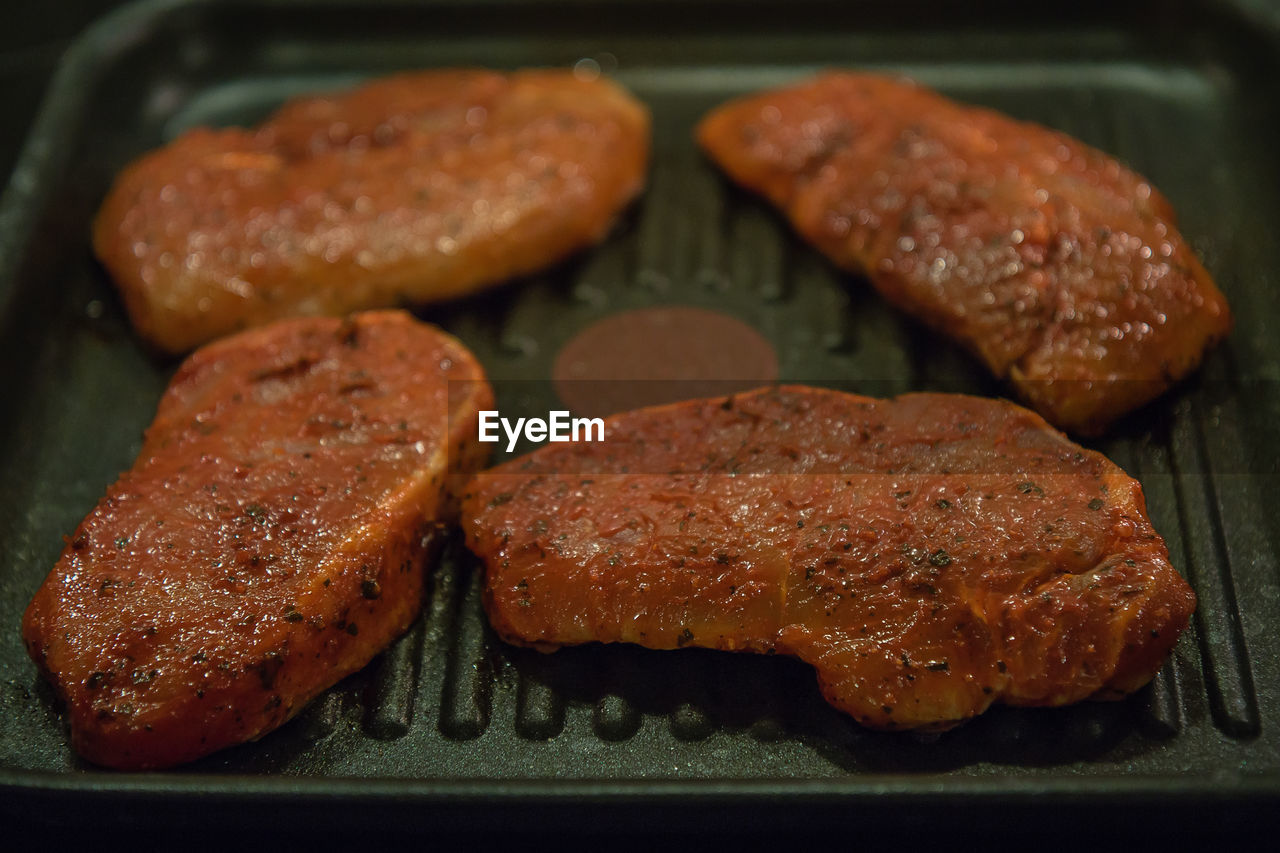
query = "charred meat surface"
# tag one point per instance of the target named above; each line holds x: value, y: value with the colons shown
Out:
x: 413, y: 188
x: 928, y: 555
x: 1059, y: 267
x: 267, y: 542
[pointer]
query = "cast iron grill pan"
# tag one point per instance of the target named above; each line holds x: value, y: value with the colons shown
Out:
x: 451, y: 723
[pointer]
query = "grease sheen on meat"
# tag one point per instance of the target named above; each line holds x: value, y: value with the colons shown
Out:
x: 267, y: 542
x: 413, y: 188
x: 1059, y: 267
x: 927, y: 555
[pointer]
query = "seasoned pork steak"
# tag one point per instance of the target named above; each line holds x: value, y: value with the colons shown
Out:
x: 413, y: 188
x: 928, y: 555
x: 1059, y: 267
x: 267, y: 542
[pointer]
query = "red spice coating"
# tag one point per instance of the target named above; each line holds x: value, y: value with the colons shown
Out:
x: 268, y: 540
x: 1059, y: 267
x: 928, y: 555
x: 414, y: 188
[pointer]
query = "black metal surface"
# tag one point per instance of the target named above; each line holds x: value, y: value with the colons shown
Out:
x: 452, y: 725
x: 31, y: 44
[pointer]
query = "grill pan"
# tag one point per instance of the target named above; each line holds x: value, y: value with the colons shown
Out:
x: 452, y: 728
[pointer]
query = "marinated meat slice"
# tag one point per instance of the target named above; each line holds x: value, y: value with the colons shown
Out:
x: 413, y: 188
x: 928, y: 555
x: 1059, y: 267
x: 267, y: 542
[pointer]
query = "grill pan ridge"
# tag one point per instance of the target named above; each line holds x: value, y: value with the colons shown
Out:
x: 450, y: 721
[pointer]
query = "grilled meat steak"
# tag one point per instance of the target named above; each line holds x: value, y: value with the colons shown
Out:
x: 1059, y: 267
x: 268, y: 540
x: 928, y: 555
x: 413, y: 188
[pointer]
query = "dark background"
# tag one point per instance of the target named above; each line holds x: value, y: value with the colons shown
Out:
x: 32, y: 39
